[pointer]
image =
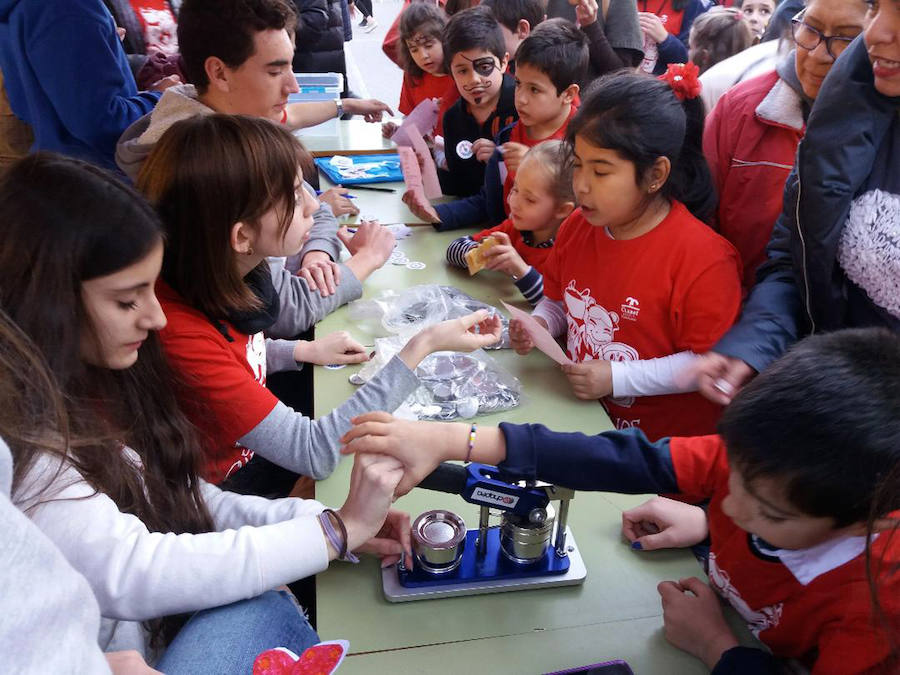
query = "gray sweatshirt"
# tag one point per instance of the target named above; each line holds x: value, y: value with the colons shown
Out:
x: 49, y: 619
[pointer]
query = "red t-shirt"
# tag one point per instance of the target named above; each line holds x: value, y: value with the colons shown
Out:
x: 673, y: 289
x: 416, y: 90
x: 826, y: 622
x: 519, y: 134
x: 228, y: 397
x: 670, y: 17
x: 159, y: 24
x: 534, y: 256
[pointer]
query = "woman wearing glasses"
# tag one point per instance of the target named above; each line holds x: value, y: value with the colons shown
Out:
x: 752, y: 133
x: 834, y: 257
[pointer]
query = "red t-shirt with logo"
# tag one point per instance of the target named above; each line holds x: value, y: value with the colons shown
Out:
x: 227, y: 396
x: 534, y: 256
x: 826, y: 622
x: 159, y: 25
x: 416, y: 90
x: 673, y: 289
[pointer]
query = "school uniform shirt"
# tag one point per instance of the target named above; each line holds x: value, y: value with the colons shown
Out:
x: 417, y: 89
x: 464, y: 175
x: 676, y: 21
x: 812, y: 605
x: 674, y: 289
x: 160, y: 30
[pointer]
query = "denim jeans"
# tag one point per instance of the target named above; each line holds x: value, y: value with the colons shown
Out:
x: 228, y: 639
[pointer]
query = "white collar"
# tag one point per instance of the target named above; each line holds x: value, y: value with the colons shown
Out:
x: 782, y: 106
x: 809, y: 563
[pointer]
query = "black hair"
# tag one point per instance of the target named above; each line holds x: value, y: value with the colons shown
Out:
x: 419, y: 18
x: 558, y: 49
x: 824, y: 420
x: 510, y: 12
x: 473, y: 28
x: 640, y: 117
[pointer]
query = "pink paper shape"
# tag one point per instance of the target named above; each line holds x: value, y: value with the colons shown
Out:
x: 541, y: 336
x: 423, y: 117
x: 430, y: 182
x: 412, y: 176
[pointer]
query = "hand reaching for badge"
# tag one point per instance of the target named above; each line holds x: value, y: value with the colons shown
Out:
x: 664, y: 523
x: 337, y: 347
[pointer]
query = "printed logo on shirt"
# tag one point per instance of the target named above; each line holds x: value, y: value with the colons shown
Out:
x: 464, y: 149
x: 630, y: 308
x: 160, y: 30
x: 256, y: 356
x: 591, y: 329
x: 664, y: 18
x: 246, y: 456
x: 757, y: 619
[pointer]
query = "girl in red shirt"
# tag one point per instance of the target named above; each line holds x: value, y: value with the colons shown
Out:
x: 640, y: 286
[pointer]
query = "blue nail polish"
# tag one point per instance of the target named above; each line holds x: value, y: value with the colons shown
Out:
x: 636, y: 545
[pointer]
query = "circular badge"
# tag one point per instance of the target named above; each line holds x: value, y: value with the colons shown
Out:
x: 400, y: 261
x: 464, y: 149
x: 415, y: 265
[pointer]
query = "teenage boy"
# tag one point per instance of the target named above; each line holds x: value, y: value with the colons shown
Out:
x: 552, y: 62
x: 476, y: 57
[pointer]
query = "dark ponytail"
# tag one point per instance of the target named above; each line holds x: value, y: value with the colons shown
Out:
x: 640, y: 117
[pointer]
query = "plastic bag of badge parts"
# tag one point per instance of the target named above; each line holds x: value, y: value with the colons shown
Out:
x: 408, y: 312
x: 454, y: 385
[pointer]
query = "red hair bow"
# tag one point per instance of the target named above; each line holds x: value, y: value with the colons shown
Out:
x: 684, y: 79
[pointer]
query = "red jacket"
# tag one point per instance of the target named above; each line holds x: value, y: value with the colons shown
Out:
x: 749, y: 141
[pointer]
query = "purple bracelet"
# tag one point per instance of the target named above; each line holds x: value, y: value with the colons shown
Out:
x: 339, y: 544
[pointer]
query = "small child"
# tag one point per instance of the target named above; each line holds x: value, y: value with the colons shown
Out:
x: 541, y: 198
x: 802, y: 484
x: 552, y: 62
x: 716, y: 35
x: 758, y: 13
x: 475, y: 55
x: 638, y: 284
x: 422, y: 56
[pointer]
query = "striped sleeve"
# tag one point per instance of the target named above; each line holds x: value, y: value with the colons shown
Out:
x: 456, y: 251
x: 531, y: 286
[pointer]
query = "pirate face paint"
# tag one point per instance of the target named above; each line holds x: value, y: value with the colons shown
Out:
x: 478, y: 75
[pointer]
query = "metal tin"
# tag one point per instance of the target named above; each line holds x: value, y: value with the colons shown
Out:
x: 524, y: 541
x: 438, y: 538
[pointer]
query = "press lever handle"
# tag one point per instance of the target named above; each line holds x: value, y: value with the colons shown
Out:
x: 447, y: 477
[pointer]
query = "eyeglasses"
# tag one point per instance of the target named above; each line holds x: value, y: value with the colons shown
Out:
x: 809, y: 38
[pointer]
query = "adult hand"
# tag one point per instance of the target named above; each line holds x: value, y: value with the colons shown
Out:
x: 165, y: 83
x: 585, y: 11
x: 720, y: 377
x: 590, y: 379
x: 392, y: 541
x: 371, y: 109
x: 483, y: 148
x: 519, y: 338
x: 513, y: 154
x: 388, y: 129
x: 693, y: 620
x: 652, y: 26
x: 320, y: 272
x: 664, y: 523
x: 336, y: 198
x: 420, y: 446
x: 372, y: 483
x: 504, y: 258
x: 420, y: 206
x: 128, y: 663
x: 337, y: 347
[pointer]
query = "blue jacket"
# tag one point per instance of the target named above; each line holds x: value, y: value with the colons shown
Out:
x: 801, y: 287
x: 484, y: 208
x: 66, y: 75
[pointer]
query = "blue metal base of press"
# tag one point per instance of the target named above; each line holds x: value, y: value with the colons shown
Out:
x: 492, y: 565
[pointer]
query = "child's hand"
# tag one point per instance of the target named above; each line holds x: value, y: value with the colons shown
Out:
x: 392, y: 541
x: 513, y: 154
x: 590, y: 379
x: 369, y: 236
x: 483, y: 148
x: 420, y: 207
x: 371, y: 494
x: 336, y: 198
x: 320, y: 272
x: 585, y: 11
x: 388, y: 129
x: 519, y: 338
x: 504, y: 258
x: 652, y: 27
x: 336, y: 347
x: 720, y: 377
x: 421, y: 446
x: 693, y: 620
x: 465, y: 334
x: 664, y: 523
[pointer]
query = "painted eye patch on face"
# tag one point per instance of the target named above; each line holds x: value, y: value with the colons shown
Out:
x: 483, y: 65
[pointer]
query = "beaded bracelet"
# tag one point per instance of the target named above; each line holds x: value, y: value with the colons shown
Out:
x: 339, y: 543
x: 471, y: 441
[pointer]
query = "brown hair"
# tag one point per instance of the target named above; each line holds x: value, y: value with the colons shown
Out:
x: 553, y: 156
x: 225, y: 29
x: 419, y: 18
x: 75, y: 222
x: 206, y: 174
x: 718, y: 34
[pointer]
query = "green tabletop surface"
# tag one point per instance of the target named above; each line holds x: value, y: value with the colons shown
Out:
x: 616, y: 613
x: 349, y: 137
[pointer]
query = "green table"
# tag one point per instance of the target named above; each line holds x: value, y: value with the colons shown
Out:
x: 349, y: 137
x: 615, y: 614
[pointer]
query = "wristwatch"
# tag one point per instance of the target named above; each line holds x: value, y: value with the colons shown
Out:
x: 339, y: 104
